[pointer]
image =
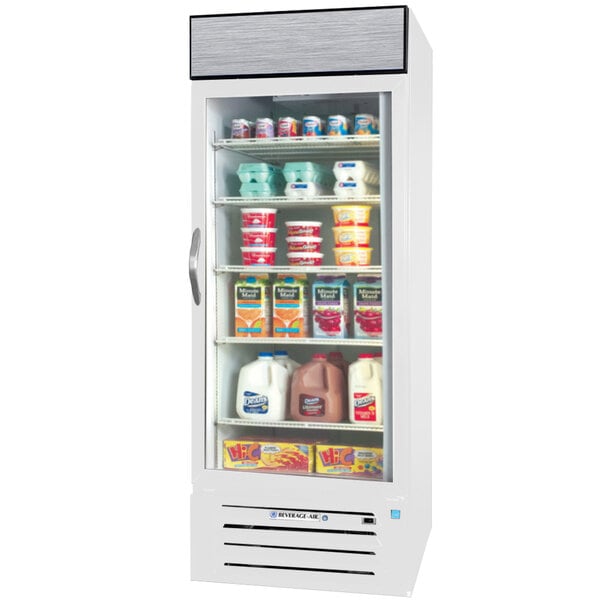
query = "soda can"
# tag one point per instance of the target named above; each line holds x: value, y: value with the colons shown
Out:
x: 365, y: 124
x: 338, y: 125
x: 287, y: 127
x: 312, y: 126
x: 242, y: 129
x: 265, y: 128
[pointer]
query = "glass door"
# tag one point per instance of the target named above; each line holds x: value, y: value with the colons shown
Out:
x: 296, y: 253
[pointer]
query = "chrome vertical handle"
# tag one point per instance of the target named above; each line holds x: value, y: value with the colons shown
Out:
x: 193, y: 265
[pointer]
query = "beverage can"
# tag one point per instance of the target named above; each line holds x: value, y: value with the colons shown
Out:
x: 312, y: 126
x: 365, y: 124
x: 338, y: 125
x: 242, y: 129
x: 287, y: 127
x: 265, y: 128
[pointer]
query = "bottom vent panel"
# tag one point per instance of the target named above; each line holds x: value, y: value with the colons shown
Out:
x: 326, y: 544
x: 343, y: 551
x: 292, y: 568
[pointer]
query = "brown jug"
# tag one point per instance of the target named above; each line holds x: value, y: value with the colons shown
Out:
x: 317, y: 392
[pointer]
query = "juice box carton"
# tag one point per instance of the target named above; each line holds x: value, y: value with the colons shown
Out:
x: 259, y: 455
x: 332, y: 459
x: 330, y: 307
x: 290, y: 306
x: 253, y: 306
x: 368, y: 307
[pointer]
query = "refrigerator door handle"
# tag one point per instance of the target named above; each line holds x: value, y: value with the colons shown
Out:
x: 193, y: 265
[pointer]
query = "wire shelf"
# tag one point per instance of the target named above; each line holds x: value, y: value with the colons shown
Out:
x: 322, y: 269
x: 301, y: 425
x: 319, y: 146
x: 284, y: 201
x: 377, y: 343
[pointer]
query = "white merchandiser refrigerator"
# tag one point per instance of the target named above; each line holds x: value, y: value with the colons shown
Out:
x: 328, y: 503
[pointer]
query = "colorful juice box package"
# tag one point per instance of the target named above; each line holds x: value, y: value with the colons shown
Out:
x: 368, y: 307
x: 259, y: 455
x: 253, y: 306
x: 349, y: 460
x: 330, y: 307
x: 290, y: 306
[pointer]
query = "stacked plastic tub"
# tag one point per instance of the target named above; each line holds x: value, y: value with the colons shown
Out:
x: 307, y: 179
x: 351, y: 231
x: 258, y: 224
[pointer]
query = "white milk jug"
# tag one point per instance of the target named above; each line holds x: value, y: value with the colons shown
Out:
x: 262, y: 389
x: 283, y: 358
x: 365, y: 391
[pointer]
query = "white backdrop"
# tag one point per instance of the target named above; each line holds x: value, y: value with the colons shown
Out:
x: 95, y: 302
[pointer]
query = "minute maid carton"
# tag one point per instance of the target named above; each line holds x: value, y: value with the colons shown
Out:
x: 259, y: 455
x: 253, y: 306
x: 330, y: 307
x: 332, y: 459
x: 290, y: 306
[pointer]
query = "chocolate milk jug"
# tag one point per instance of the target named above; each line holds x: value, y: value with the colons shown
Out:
x: 318, y: 392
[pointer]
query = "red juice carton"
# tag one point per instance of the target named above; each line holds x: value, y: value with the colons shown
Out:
x: 330, y: 307
x: 368, y: 307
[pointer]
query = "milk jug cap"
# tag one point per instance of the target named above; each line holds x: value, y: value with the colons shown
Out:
x: 280, y: 353
x: 365, y: 356
x: 265, y: 355
x: 319, y: 357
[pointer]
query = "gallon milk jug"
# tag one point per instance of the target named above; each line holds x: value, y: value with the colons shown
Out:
x: 282, y: 357
x: 262, y: 389
x: 337, y: 358
x: 317, y: 392
x: 365, y: 397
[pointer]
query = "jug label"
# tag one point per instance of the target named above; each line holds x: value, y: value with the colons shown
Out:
x: 256, y: 404
x: 364, y: 406
x: 311, y: 406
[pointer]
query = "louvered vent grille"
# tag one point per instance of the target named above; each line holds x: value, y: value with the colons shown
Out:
x: 303, y: 540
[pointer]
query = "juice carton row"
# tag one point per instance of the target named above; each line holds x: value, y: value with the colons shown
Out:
x: 327, y: 389
x: 290, y: 307
x: 346, y: 179
x: 308, y: 126
x: 302, y: 458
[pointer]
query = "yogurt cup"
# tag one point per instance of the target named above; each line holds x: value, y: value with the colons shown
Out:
x: 351, y: 236
x: 259, y: 236
x: 258, y: 217
x: 305, y: 258
x: 296, y: 228
x: 352, y: 257
x: 304, y: 243
x: 351, y: 214
x: 258, y: 256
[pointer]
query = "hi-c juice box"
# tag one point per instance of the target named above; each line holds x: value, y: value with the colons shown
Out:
x: 333, y: 459
x: 368, y: 307
x: 253, y: 306
x: 258, y: 455
x: 290, y: 306
x: 330, y: 307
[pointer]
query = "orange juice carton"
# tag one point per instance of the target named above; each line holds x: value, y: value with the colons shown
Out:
x: 259, y: 455
x: 331, y: 459
x: 253, y: 306
x: 290, y: 306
